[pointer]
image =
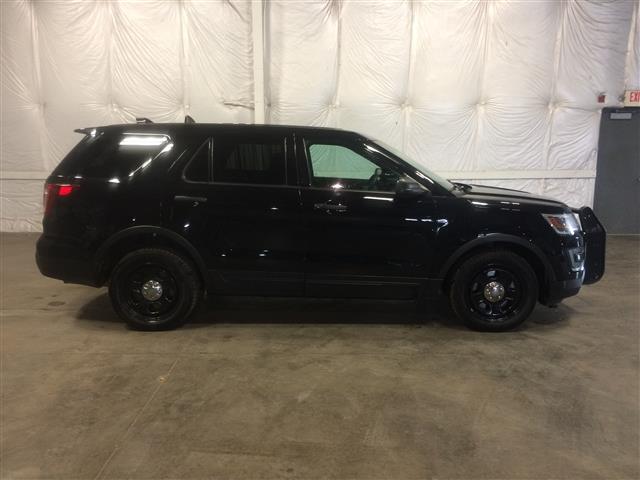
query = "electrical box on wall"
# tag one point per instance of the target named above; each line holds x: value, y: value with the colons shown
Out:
x: 632, y: 98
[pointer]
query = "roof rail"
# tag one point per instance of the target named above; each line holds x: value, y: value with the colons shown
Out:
x: 143, y: 120
x: 189, y: 119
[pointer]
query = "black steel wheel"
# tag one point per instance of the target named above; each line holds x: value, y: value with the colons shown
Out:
x: 494, y: 291
x: 154, y: 289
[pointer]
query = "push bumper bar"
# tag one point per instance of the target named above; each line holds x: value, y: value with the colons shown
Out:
x: 595, y: 238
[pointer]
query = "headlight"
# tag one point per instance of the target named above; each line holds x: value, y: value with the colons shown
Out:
x: 562, y: 223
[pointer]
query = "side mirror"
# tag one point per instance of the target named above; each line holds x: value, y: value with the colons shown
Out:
x: 409, y: 188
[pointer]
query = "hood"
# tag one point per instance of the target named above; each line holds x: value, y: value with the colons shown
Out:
x: 496, y: 195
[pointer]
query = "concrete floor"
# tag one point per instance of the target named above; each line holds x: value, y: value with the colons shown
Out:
x: 272, y: 388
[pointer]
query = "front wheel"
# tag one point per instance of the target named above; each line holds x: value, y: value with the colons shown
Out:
x: 154, y: 289
x: 494, y: 291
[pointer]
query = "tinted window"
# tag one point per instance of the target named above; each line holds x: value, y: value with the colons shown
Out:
x: 242, y: 160
x: 114, y: 156
x: 338, y: 166
x: 198, y: 167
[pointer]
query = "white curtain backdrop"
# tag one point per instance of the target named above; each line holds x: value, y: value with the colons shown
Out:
x: 498, y: 92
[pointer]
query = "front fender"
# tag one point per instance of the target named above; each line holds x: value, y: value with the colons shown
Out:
x: 489, y: 239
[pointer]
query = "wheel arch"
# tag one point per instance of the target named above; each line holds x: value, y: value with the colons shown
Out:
x: 526, y: 249
x: 146, y: 236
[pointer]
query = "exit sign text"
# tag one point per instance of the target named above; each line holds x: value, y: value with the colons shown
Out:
x: 632, y: 98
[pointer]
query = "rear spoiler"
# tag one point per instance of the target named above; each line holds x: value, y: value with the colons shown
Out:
x: 86, y: 131
x: 92, y: 130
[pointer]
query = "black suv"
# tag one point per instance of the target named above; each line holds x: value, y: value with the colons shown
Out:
x: 163, y: 213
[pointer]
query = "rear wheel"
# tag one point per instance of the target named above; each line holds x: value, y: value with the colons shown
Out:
x: 155, y: 289
x: 494, y: 291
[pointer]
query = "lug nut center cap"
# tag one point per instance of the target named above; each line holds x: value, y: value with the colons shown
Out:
x: 151, y: 290
x: 494, y: 291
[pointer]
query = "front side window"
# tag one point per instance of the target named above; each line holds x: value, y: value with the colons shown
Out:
x: 337, y: 166
x: 254, y: 161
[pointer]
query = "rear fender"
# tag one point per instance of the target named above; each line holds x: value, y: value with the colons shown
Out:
x: 163, y: 235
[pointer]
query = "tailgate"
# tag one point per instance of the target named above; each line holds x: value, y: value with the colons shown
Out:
x: 595, y: 239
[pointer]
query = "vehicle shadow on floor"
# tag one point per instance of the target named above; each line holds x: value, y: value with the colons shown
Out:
x: 267, y: 310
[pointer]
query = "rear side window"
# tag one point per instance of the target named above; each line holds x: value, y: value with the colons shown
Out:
x: 114, y: 156
x: 199, y: 167
x: 255, y: 160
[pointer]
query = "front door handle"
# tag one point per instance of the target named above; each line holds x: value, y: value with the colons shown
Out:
x: 330, y: 207
x: 189, y: 198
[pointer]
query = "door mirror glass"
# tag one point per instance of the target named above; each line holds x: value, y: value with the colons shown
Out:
x: 407, y: 187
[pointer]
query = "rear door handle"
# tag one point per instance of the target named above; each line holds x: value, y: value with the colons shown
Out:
x: 330, y: 207
x: 188, y: 198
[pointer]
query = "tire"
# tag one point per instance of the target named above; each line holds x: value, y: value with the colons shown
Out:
x: 494, y: 291
x: 154, y: 289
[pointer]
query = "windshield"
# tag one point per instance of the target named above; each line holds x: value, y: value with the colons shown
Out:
x: 422, y: 171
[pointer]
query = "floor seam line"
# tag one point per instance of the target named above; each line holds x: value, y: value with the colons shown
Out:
x: 121, y: 441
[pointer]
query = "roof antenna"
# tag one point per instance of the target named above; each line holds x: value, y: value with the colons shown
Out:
x: 189, y: 119
x: 143, y: 120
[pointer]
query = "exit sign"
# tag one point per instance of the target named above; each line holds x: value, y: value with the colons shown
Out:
x: 632, y: 98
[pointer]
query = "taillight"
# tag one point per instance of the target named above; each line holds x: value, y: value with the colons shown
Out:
x: 54, y: 190
x: 64, y: 190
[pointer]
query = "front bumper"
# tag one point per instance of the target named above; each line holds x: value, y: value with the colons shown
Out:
x: 582, y: 263
x: 63, y: 259
x: 561, y: 289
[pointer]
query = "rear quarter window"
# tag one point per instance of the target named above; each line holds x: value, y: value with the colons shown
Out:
x: 113, y: 156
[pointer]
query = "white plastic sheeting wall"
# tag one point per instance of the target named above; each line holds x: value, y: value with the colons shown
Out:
x: 500, y: 92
